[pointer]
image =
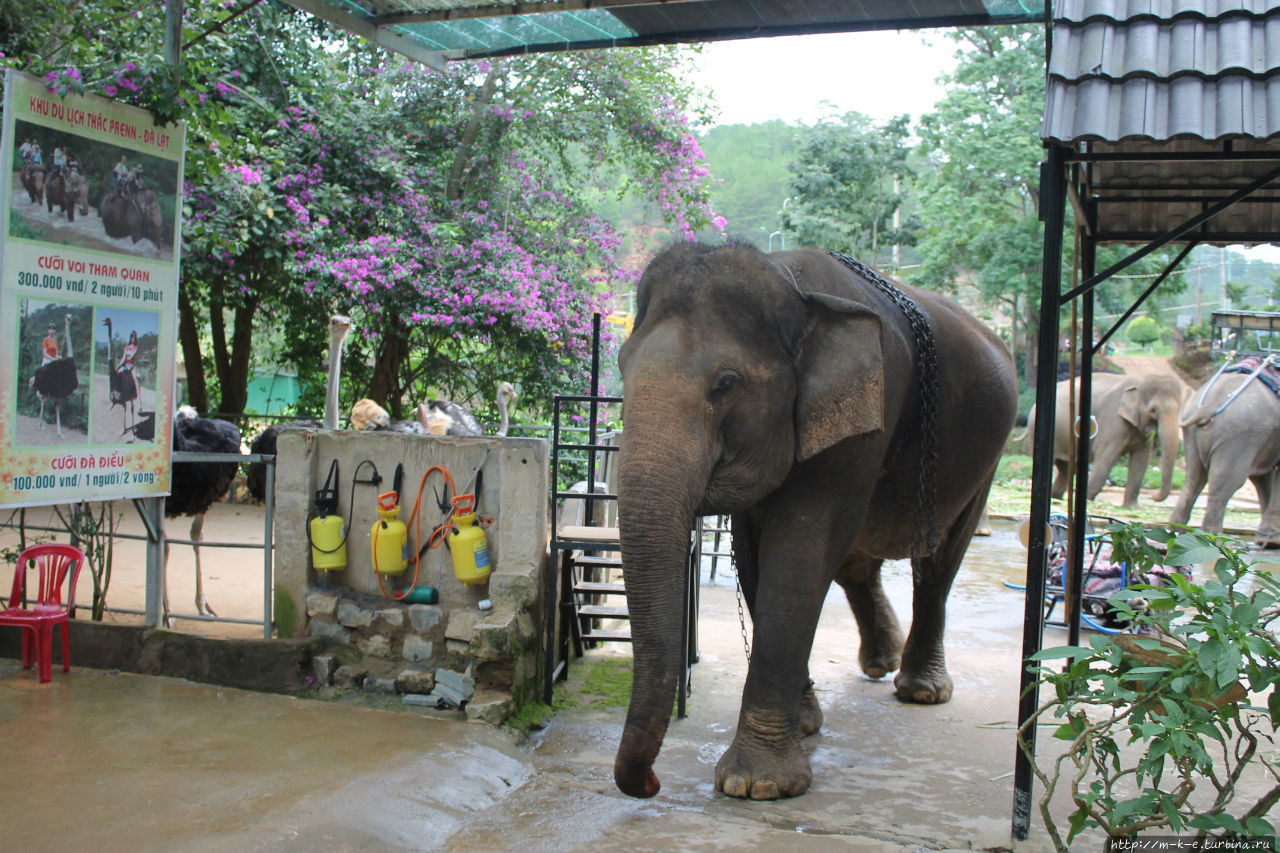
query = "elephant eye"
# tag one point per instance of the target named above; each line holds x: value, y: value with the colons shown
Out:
x: 727, y: 383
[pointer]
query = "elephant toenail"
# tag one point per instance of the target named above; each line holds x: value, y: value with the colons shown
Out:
x: 765, y: 789
x: 735, y: 786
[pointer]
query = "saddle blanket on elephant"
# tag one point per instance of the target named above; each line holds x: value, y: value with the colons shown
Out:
x: 1269, y: 376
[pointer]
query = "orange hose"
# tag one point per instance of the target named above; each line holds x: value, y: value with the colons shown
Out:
x: 434, y: 540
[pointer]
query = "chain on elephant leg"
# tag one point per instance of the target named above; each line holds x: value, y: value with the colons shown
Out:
x: 766, y: 760
x: 810, y: 711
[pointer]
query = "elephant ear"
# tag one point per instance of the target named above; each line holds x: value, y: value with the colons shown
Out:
x: 840, y: 375
x: 1130, y: 406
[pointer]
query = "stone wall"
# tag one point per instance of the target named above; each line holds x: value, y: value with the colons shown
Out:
x: 484, y: 637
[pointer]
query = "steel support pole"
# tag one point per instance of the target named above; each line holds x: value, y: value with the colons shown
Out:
x: 1052, y: 204
x: 154, y: 513
x: 1073, y: 571
x: 267, y: 549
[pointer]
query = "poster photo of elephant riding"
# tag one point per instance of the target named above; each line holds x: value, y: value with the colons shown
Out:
x: 71, y: 190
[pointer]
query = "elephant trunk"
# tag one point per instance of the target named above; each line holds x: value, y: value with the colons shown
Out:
x: 1169, y: 434
x: 660, y: 484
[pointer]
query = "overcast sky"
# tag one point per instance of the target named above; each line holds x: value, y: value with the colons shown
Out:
x: 879, y: 74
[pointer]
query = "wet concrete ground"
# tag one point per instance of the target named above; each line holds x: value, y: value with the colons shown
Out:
x: 107, y: 761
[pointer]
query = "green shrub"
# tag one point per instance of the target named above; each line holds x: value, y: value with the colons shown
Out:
x: 1143, y: 330
x: 1148, y: 717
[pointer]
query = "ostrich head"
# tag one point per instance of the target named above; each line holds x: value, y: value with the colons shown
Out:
x: 339, y: 327
x: 505, y: 392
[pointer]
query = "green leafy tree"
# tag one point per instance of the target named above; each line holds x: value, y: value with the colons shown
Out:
x: 455, y: 215
x: 980, y: 194
x: 849, y: 177
x: 752, y: 179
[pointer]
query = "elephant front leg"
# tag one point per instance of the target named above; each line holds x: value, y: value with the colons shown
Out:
x: 1138, y: 461
x: 767, y: 759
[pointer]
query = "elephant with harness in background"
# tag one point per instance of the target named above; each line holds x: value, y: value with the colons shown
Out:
x: 1128, y: 410
x: 842, y: 420
x: 1231, y: 433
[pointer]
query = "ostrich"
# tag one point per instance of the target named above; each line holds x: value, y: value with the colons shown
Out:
x: 265, y: 443
x: 445, y: 417
x: 57, y: 379
x: 124, y: 390
x: 196, y: 486
x: 339, y: 326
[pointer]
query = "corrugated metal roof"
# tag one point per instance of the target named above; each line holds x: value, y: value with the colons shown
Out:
x: 437, y: 30
x: 1158, y: 69
x: 1173, y: 105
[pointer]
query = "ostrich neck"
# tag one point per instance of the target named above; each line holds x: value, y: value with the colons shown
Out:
x: 331, y: 391
x: 502, y: 413
x: 66, y: 321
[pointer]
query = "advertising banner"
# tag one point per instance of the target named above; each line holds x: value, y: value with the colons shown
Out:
x: 88, y: 297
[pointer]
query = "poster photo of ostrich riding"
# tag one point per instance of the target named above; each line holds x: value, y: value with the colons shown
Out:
x: 124, y: 380
x: 54, y: 356
x: 71, y: 190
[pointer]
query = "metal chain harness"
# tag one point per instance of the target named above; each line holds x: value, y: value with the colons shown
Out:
x: 925, y: 539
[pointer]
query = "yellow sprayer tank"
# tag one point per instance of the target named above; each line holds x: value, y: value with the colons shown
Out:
x: 468, y: 545
x: 389, y: 537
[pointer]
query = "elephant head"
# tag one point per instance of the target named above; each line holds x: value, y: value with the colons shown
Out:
x: 731, y: 377
x: 1152, y: 405
x: 77, y: 190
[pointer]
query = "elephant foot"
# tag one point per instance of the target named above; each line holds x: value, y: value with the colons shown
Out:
x: 882, y: 656
x: 810, y: 712
x: 1266, y: 538
x: 763, y: 764
x: 930, y: 685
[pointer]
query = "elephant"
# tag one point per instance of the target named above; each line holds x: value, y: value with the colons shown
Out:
x: 786, y: 391
x: 135, y: 216
x: 1128, y: 410
x: 33, y: 181
x: 1224, y: 448
x: 69, y: 190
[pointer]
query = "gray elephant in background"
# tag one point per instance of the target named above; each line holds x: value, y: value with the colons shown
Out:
x: 1223, y: 449
x: 1129, y: 409
x: 785, y: 389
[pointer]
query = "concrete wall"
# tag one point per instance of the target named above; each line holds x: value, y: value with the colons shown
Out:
x: 367, y: 631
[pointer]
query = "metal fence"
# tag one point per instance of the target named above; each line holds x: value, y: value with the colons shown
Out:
x: 151, y: 513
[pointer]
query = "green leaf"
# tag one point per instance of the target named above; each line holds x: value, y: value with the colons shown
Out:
x: 1059, y: 652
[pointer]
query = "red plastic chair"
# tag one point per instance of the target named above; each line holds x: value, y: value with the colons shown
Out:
x: 46, y: 607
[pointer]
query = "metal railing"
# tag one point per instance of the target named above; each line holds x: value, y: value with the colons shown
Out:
x: 151, y: 513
